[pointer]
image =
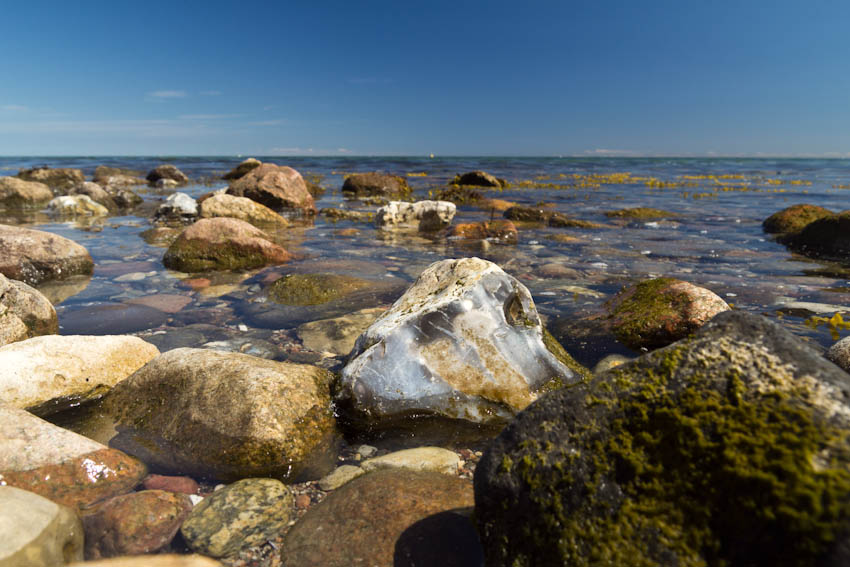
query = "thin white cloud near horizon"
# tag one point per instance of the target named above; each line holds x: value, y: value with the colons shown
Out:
x: 14, y: 108
x: 166, y: 94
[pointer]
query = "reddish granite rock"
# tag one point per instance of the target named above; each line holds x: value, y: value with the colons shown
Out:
x: 24, y: 312
x: 223, y: 244
x: 181, y: 484
x: 134, y: 523
x: 498, y: 230
x: 275, y: 186
x: 33, y: 256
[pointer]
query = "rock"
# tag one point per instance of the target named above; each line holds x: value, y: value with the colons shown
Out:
x: 165, y: 302
x: 839, y: 353
x: 464, y: 341
x: 181, y: 484
x: 432, y: 459
x: 169, y: 172
x: 334, y: 215
x: 223, y: 205
x: 19, y: 194
x: 246, y: 513
x: 314, y: 289
x: 24, y: 312
x: 337, y: 335
x: 639, y: 213
x: 460, y: 195
x: 609, y: 362
x: 722, y: 449
x: 33, y: 256
x: 560, y: 271
x: 657, y: 312
x: 478, y: 179
x: 160, y: 235
x: 373, y: 521
x: 60, y: 178
x: 827, y: 237
x: 222, y: 244
x: 226, y: 415
x: 275, y: 186
x: 161, y: 560
x: 37, y: 532
x: 60, y: 465
x: 52, y: 373
x: 340, y: 476
x: 546, y: 216
x: 177, y: 207
x: 794, y: 218
x: 242, y: 169
x: 123, y: 197
x: 166, y: 184
x: 112, y: 318
x: 501, y: 231
x: 425, y: 216
x: 134, y: 523
x: 115, y: 176
x: 76, y: 205
x: 372, y: 184
x: 96, y: 193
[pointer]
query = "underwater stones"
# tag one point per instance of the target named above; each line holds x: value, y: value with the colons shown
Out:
x: 59, y: 178
x: 19, y: 194
x: 226, y: 415
x: 546, y: 216
x: 178, y: 206
x: 158, y: 560
x: 433, y: 459
x: 340, y: 476
x: 639, y: 213
x: 116, y: 176
x: 222, y: 244
x: 275, y: 186
x: 794, y: 218
x: 502, y: 231
x: 245, y: 513
x: 223, y: 205
x: 425, y: 216
x: 134, y: 523
x: 33, y: 256
x: 51, y: 373
x: 241, y: 169
x: 656, y: 312
x: 827, y: 237
x: 728, y: 448
x: 37, y: 532
x: 478, y: 179
x: 96, y: 193
x: 464, y: 341
x: 377, y: 520
x: 373, y: 183
x: 337, y: 335
x: 76, y: 205
x: 167, y: 172
x: 60, y: 465
x: 314, y: 289
x: 24, y: 312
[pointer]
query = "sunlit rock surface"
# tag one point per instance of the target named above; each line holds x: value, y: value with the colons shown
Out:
x: 465, y: 341
x: 425, y: 216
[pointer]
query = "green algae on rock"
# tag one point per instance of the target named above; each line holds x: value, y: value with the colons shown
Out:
x: 314, y: 289
x: 729, y: 448
x: 794, y: 218
x: 656, y: 312
x: 639, y: 213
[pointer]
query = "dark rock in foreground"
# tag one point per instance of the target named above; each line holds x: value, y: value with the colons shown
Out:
x: 827, y: 237
x: 730, y: 448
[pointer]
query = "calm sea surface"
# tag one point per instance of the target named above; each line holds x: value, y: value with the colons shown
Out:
x: 715, y: 239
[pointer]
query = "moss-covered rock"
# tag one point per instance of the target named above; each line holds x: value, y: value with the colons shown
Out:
x: 546, y: 216
x: 656, y: 312
x: 794, y: 218
x: 730, y: 448
x: 314, y: 289
x: 371, y: 184
x: 827, y: 237
x: 640, y: 213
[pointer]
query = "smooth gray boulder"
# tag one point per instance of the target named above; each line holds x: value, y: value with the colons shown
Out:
x: 465, y: 341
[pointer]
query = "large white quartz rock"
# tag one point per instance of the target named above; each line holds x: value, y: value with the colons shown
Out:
x: 178, y: 206
x: 465, y: 341
x: 426, y: 216
x: 76, y: 205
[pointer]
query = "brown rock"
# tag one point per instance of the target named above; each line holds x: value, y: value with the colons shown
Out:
x: 134, y: 523
x: 163, y: 560
x: 794, y: 218
x: 379, y: 519
x: 478, y: 179
x: 242, y: 169
x: 499, y: 230
x: 24, y: 312
x: 222, y: 244
x: 165, y: 302
x: 96, y: 193
x: 371, y: 184
x: 181, y: 484
x: 19, y: 194
x: 167, y: 171
x: 275, y: 186
x: 33, y: 256
x: 105, y: 175
x: 60, y: 178
x: 547, y: 216
x: 223, y: 205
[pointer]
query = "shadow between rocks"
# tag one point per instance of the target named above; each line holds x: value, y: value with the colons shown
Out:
x: 447, y: 539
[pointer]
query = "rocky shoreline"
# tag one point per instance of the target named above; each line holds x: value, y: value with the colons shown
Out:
x: 725, y: 442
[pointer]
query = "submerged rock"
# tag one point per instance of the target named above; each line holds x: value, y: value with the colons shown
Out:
x: 19, y: 194
x: 275, y: 186
x: 24, y: 312
x: 337, y: 335
x: 177, y: 207
x: 116, y: 176
x: 96, y: 193
x: 314, y: 289
x: 502, y: 231
x: 372, y: 184
x: 546, y: 216
x: 729, y: 448
x: 794, y: 218
x: 60, y: 178
x: 656, y: 312
x: 159, y: 560
x: 76, y: 205
x: 37, y: 532
x: 222, y: 244
x: 223, y: 205
x: 639, y: 213
x: 167, y: 172
x: 226, y: 415
x: 465, y: 341
x: 425, y: 216
x: 33, y: 256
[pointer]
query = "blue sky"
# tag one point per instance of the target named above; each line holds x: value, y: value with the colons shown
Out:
x: 744, y: 77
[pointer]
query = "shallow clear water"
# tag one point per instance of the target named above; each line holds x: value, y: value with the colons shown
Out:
x: 714, y: 240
